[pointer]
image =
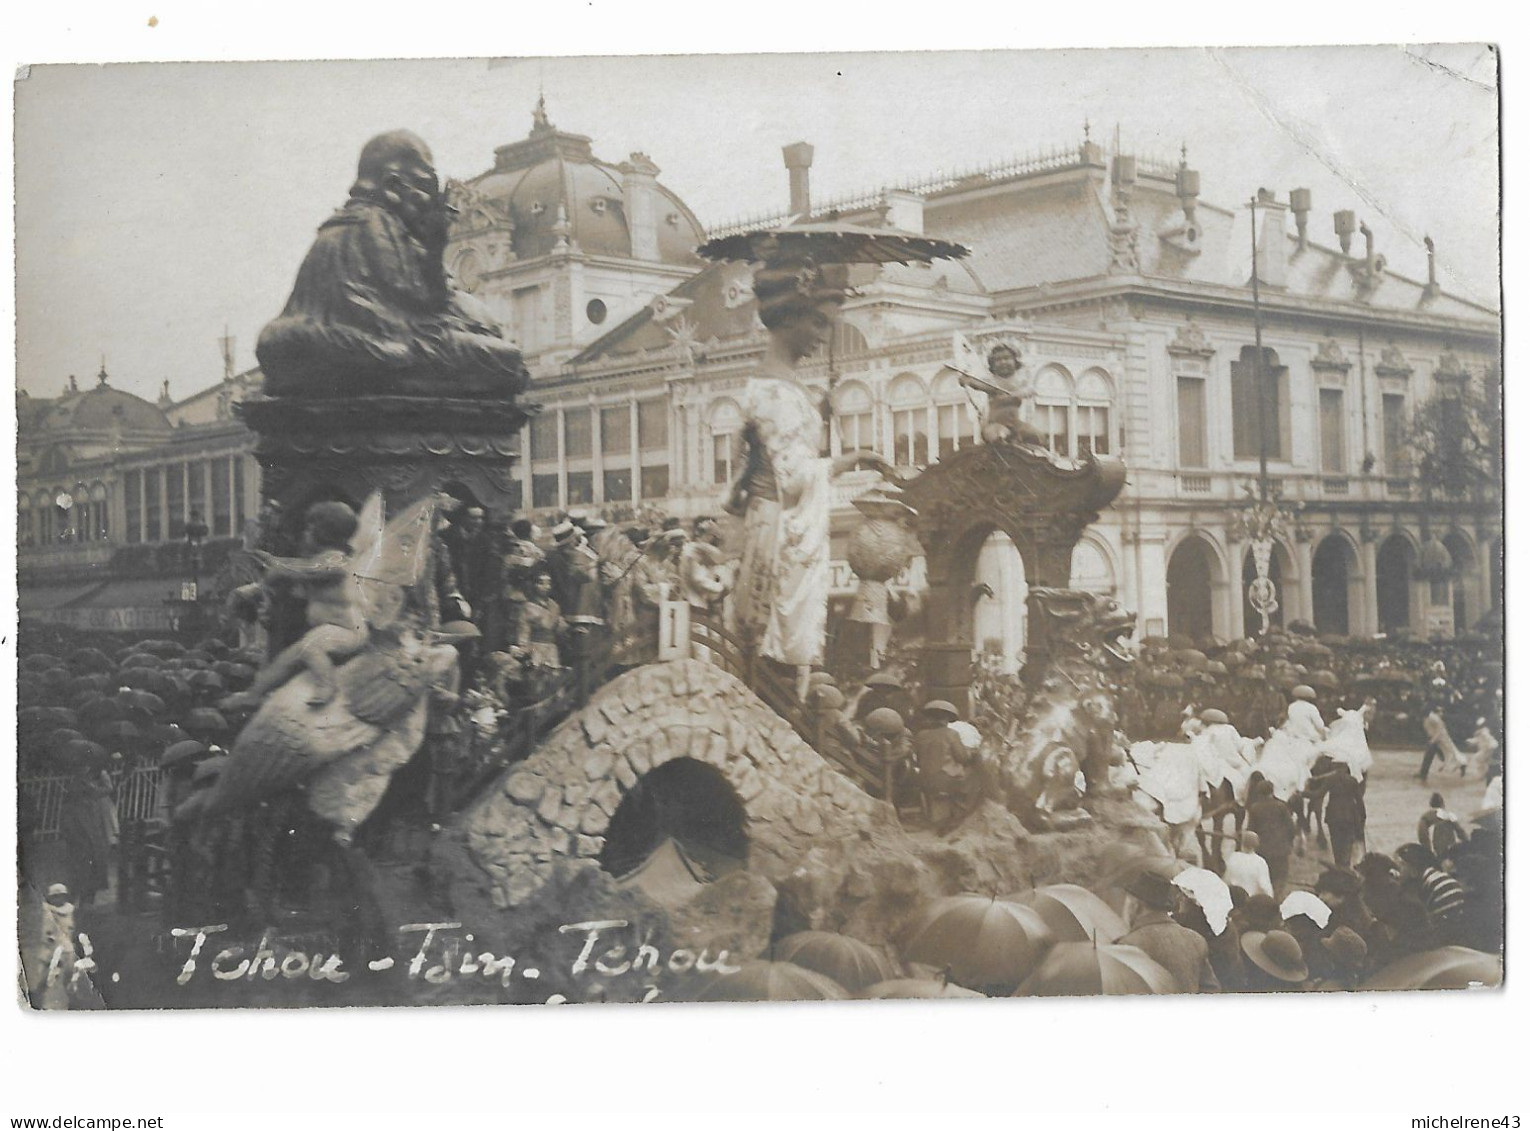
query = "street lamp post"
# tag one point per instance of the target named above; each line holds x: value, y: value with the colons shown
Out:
x: 196, y: 533
x: 1265, y: 518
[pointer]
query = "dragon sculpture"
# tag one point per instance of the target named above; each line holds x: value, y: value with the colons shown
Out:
x: 1066, y: 745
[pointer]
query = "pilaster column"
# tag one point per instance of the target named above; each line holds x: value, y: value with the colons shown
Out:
x: 1367, y: 616
x: 1304, y: 579
x: 597, y: 451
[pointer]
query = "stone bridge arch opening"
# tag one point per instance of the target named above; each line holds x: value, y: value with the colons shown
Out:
x: 684, y: 800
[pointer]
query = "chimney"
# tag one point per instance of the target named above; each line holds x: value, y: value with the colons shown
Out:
x: 164, y: 395
x: 1271, y: 253
x: 1344, y: 228
x: 1187, y: 186
x: 1301, y: 205
x: 905, y: 210
x: 1123, y: 171
x: 1431, y: 288
x: 640, y: 202
x: 799, y: 159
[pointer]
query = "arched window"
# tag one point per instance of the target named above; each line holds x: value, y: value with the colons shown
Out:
x: 854, y: 417
x: 954, y: 424
x: 101, y: 524
x: 726, y: 421
x: 848, y: 340
x: 1093, y: 415
x: 25, y: 534
x: 1091, y: 569
x: 45, y: 514
x: 1054, y: 401
x: 910, y: 421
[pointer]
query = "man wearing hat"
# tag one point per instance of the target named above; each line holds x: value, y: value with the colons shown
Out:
x: 1274, y: 962
x: 1303, y: 719
x: 946, y: 776
x: 653, y: 582
x: 1154, y: 931
x: 1346, y: 953
x: 884, y: 689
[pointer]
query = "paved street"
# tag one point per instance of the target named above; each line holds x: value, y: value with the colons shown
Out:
x: 1395, y: 800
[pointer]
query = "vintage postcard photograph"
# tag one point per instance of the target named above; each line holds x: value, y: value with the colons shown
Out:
x: 744, y: 528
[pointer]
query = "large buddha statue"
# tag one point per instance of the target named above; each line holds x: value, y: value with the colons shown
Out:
x: 374, y: 310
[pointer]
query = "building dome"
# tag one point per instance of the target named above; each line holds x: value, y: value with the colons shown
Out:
x: 100, y: 409
x: 552, y: 187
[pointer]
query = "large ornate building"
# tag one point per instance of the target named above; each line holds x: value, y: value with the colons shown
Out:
x: 1125, y: 297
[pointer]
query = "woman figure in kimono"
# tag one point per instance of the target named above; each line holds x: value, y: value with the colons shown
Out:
x: 781, y: 598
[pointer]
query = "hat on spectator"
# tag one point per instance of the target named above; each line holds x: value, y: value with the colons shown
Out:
x: 1346, y: 948
x: 1277, y: 953
x: 940, y: 706
x: 1303, y: 691
x: 1213, y: 715
x: 1154, y: 889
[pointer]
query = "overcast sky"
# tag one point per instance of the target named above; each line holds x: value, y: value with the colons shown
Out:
x: 157, y: 203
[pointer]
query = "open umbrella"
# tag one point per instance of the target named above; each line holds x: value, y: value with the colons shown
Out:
x: 205, y: 683
x: 90, y: 660
x: 1076, y: 969
x: 140, y: 660
x: 161, y: 647
x: 118, y: 734
x: 204, y: 721
x: 1072, y: 913
x: 1445, y: 968
x: 850, y: 962
x: 988, y: 944
x: 759, y: 980
x: 833, y: 242
x: 939, y: 988
x: 39, y: 662
x: 143, y: 679
x: 101, y: 710
x: 59, y: 739
x: 140, y: 706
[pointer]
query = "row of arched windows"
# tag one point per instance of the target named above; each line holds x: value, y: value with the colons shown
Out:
x: 63, y: 514
x: 915, y: 423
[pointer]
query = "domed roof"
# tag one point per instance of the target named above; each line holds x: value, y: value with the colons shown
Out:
x: 552, y: 186
x: 102, y: 408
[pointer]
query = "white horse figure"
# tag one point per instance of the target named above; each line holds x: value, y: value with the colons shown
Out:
x: 1286, y: 763
x: 1169, y: 776
x: 1347, y: 743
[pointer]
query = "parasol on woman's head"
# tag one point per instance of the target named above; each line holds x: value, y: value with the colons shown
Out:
x: 829, y: 242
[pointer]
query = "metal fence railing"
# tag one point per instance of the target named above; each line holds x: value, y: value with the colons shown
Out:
x: 41, y: 799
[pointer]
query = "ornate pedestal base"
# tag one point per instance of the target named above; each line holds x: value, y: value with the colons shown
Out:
x: 405, y: 447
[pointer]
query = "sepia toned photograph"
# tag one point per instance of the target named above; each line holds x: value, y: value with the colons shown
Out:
x: 745, y: 528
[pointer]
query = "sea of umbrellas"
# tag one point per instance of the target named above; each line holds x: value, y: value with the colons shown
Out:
x: 1055, y: 940
x: 110, y: 707
x: 1406, y: 677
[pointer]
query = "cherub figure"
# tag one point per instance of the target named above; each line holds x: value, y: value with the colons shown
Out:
x: 337, y: 623
x: 1008, y: 388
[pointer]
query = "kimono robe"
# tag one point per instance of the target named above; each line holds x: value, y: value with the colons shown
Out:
x: 781, y: 596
